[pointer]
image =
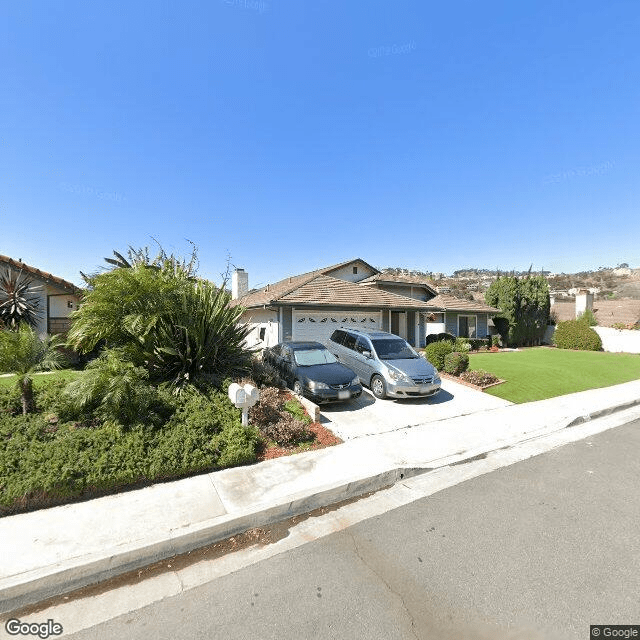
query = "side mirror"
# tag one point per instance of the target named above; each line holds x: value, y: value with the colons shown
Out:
x: 366, y: 354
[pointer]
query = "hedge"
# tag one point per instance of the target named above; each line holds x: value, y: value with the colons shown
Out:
x: 575, y: 334
x: 436, y: 352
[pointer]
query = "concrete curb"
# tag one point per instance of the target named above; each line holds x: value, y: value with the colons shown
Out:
x: 40, y: 584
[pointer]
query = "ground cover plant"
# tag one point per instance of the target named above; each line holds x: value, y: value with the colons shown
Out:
x: 539, y: 373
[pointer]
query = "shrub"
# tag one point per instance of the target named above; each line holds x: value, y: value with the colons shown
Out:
x: 268, y: 408
x: 574, y: 334
x: 294, y: 407
x: 455, y: 363
x: 587, y: 317
x: 462, y: 345
x: 478, y: 343
x: 479, y: 377
x: 114, y: 390
x: 10, y: 400
x: 287, y: 430
x: 436, y: 352
x: 495, y: 341
x: 264, y: 374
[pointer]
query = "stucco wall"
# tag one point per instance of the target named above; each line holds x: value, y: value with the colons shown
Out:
x: 619, y: 340
x: 415, y: 292
x: 346, y: 273
x: 258, y: 319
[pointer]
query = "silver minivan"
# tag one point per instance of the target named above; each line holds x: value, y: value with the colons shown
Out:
x: 385, y: 363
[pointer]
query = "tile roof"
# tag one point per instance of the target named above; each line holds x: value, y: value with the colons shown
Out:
x: 607, y: 312
x: 385, y: 276
x: 326, y: 290
x: 444, y: 302
x: 43, y: 275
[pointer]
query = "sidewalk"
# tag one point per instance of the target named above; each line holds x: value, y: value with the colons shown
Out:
x: 56, y: 550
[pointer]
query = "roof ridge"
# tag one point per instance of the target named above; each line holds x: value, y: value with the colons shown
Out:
x: 45, y: 275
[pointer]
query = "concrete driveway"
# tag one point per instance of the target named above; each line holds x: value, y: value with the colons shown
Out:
x: 367, y: 415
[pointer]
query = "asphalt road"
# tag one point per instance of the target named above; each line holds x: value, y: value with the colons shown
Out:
x: 540, y: 549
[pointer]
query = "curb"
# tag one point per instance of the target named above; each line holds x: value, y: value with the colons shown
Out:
x: 40, y: 584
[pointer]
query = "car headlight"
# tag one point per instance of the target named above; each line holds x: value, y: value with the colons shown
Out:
x: 436, y: 378
x: 318, y: 385
x: 396, y: 376
x: 356, y: 380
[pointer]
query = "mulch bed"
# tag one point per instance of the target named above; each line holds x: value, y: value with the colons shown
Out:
x: 468, y: 384
x: 322, y: 438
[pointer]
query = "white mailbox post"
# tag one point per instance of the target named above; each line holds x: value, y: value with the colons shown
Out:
x: 243, y: 398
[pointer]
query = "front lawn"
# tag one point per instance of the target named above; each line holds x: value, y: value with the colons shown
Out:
x: 539, y: 373
x: 40, y: 379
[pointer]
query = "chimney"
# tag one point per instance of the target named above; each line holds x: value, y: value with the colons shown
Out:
x: 239, y: 284
x: 584, y: 302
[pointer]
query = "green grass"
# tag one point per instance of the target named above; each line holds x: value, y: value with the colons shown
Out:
x: 40, y: 379
x: 539, y: 373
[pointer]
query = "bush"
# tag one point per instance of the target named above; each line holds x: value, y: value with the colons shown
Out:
x: 478, y: 343
x: 436, y: 352
x: 455, y: 363
x: 287, y: 431
x: 264, y: 374
x: 462, y: 345
x: 283, y: 422
x: 43, y: 463
x: 574, y: 334
x: 495, y: 341
x: 587, y: 317
x: 479, y: 377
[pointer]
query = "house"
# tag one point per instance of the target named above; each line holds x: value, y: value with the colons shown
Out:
x: 310, y: 306
x: 624, y: 311
x: 57, y: 297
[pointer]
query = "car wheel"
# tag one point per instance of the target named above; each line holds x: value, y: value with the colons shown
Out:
x: 297, y: 387
x: 378, y: 387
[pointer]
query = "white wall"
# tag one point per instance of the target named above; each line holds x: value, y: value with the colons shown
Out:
x: 59, y: 306
x: 613, y: 340
x: 261, y: 319
x: 346, y: 273
x: 619, y: 340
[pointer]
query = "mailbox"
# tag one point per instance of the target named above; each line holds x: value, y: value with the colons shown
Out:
x: 243, y: 398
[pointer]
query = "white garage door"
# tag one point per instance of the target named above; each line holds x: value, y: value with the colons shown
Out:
x: 318, y: 326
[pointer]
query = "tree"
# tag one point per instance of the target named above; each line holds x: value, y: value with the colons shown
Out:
x: 23, y: 352
x: 17, y: 300
x: 162, y: 317
x: 525, y: 307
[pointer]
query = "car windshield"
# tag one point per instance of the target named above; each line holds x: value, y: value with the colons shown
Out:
x: 394, y: 350
x: 309, y: 357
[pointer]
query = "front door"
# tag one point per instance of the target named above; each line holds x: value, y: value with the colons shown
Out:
x: 399, y: 323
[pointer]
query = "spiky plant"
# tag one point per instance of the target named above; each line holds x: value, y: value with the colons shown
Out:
x: 24, y: 353
x: 18, y: 304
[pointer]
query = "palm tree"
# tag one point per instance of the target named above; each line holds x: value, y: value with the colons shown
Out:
x: 23, y: 352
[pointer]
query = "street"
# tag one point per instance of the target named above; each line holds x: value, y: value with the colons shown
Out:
x: 541, y: 548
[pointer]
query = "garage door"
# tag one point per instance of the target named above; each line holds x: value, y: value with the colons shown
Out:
x: 318, y: 326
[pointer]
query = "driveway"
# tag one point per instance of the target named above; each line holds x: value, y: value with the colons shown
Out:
x: 367, y: 415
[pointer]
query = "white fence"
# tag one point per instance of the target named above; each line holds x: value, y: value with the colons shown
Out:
x: 615, y: 340
x: 627, y: 340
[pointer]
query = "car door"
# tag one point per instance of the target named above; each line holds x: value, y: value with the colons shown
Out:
x: 347, y: 352
x: 363, y: 364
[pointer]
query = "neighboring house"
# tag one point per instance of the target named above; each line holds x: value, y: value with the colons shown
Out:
x: 312, y: 305
x: 624, y: 311
x: 57, y: 297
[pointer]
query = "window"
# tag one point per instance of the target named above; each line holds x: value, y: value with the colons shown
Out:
x: 350, y: 341
x: 337, y: 336
x: 362, y: 344
x: 310, y: 357
x: 263, y: 331
x: 355, y: 269
x: 467, y: 326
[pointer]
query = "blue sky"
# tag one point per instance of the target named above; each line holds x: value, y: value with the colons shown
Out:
x: 295, y: 134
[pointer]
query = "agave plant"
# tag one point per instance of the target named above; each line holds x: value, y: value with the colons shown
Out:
x: 18, y: 304
x: 23, y: 352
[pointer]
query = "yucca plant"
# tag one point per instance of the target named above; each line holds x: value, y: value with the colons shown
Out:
x: 200, y: 338
x: 24, y: 353
x: 18, y: 304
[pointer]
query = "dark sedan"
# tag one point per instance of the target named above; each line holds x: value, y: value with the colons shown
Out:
x: 311, y: 370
